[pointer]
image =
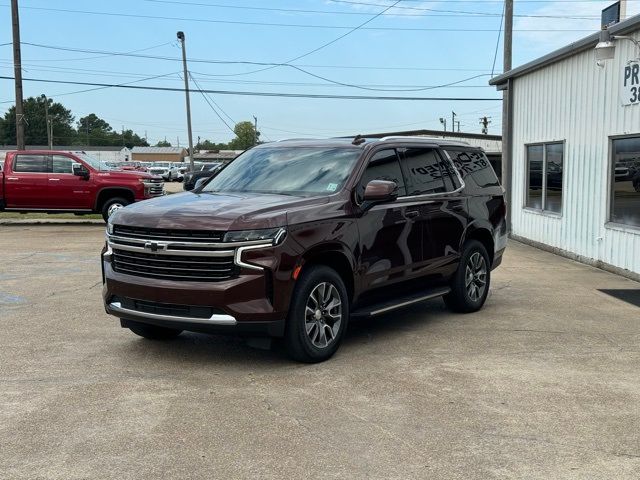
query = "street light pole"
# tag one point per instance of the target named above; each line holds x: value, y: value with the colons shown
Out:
x: 186, y: 91
x: 255, y: 130
x: 17, y: 74
x: 507, y: 110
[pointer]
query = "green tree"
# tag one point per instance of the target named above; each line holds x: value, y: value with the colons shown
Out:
x: 129, y: 138
x: 211, y: 146
x: 246, y: 136
x: 35, y: 129
x: 163, y: 143
x: 92, y: 130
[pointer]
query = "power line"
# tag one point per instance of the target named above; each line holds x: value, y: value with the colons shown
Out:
x: 295, y: 67
x: 495, y: 55
x: 262, y: 94
x: 465, y: 13
x: 236, y: 62
x: 204, y: 95
x: 286, y: 25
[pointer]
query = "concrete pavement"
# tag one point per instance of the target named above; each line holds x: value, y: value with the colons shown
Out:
x: 542, y: 383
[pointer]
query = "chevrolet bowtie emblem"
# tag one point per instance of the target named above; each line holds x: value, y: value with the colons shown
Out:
x: 153, y: 246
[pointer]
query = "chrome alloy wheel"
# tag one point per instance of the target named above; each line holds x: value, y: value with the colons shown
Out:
x: 475, y: 277
x: 113, y: 208
x: 323, y: 315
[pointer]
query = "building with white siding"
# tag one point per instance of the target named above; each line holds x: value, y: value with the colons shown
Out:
x: 574, y: 144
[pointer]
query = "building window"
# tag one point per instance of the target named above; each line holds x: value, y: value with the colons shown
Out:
x: 625, y: 181
x: 545, y: 165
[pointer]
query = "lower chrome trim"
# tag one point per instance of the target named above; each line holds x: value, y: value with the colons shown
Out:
x: 435, y: 294
x: 215, y: 319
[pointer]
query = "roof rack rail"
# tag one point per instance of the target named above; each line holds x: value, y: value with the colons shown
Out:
x: 423, y: 138
x: 359, y: 140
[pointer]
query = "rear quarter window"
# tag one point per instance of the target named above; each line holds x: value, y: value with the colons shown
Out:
x: 475, y: 170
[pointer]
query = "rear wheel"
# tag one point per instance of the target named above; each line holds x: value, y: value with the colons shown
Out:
x: 112, y: 205
x: 152, y: 332
x: 318, y: 315
x: 470, y: 283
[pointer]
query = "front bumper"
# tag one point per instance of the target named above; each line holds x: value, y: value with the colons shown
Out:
x: 244, y: 304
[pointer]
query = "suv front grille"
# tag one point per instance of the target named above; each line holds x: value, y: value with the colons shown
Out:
x: 173, y: 267
x: 166, y: 234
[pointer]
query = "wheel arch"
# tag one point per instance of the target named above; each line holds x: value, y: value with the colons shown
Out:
x: 482, y: 233
x: 337, y: 257
x: 111, y: 192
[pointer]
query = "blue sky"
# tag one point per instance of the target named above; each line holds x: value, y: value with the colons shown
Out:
x: 409, y: 47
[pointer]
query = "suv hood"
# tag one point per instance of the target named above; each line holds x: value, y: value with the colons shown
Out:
x: 127, y: 174
x: 213, y: 211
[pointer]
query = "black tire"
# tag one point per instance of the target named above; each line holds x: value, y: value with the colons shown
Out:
x: 123, y: 202
x: 152, y: 332
x: 298, y: 343
x: 461, y: 298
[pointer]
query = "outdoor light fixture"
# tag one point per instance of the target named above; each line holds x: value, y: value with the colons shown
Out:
x: 605, y: 49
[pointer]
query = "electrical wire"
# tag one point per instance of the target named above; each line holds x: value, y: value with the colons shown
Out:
x: 495, y: 55
x: 205, y: 96
x: 259, y: 94
x: 287, y: 25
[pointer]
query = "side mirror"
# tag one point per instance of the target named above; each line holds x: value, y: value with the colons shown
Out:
x: 199, y: 182
x: 378, y: 191
x: 80, y: 170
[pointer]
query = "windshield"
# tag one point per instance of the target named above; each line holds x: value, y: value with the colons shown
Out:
x: 300, y: 171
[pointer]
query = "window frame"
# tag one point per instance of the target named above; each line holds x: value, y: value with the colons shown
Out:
x: 18, y: 155
x: 543, y: 210
x: 370, y: 157
x: 610, y: 184
x: 444, y: 157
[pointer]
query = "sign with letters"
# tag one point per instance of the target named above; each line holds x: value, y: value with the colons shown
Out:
x: 630, y: 84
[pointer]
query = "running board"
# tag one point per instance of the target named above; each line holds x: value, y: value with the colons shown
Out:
x: 380, y: 308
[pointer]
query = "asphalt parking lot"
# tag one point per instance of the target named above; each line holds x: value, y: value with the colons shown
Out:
x: 543, y: 383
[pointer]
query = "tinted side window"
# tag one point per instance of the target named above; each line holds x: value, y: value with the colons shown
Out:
x: 383, y: 166
x: 62, y: 164
x: 30, y: 164
x: 474, y: 168
x: 425, y: 173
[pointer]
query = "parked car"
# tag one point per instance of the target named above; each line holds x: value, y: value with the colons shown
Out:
x: 134, y: 166
x: 204, y: 172
x: 63, y: 182
x: 294, y: 238
x: 162, y: 169
x: 621, y: 173
x: 178, y: 171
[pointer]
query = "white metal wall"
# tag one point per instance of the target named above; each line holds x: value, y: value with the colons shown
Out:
x: 577, y: 102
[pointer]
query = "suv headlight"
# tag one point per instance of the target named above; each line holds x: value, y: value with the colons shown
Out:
x: 276, y: 235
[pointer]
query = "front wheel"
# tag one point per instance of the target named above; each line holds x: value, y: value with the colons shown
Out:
x: 470, y: 283
x: 112, y: 205
x: 318, y: 315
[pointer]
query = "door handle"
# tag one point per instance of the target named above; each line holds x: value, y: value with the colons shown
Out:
x: 412, y: 214
x: 54, y: 179
x: 13, y: 178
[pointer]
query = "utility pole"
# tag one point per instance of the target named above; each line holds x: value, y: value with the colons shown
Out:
x: 458, y: 122
x: 443, y: 121
x: 123, y: 135
x: 186, y: 91
x: 453, y: 121
x: 255, y: 130
x: 86, y: 124
x: 47, y: 121
x: 17, y: 74
x: 507, y: 111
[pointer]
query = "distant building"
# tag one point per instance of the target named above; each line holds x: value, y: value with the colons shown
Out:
x: 159, y: 154
x: 216, y: 155
x: 104, y: 154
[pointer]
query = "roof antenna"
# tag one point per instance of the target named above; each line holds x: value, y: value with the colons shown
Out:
x: 359, y: 140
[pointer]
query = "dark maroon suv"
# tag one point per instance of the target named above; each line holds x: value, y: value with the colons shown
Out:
x: 295, y: 238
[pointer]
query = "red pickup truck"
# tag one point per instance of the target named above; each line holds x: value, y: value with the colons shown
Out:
x: 69, y: 182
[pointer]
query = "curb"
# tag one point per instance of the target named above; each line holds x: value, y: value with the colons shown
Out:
x: 46, y: 221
